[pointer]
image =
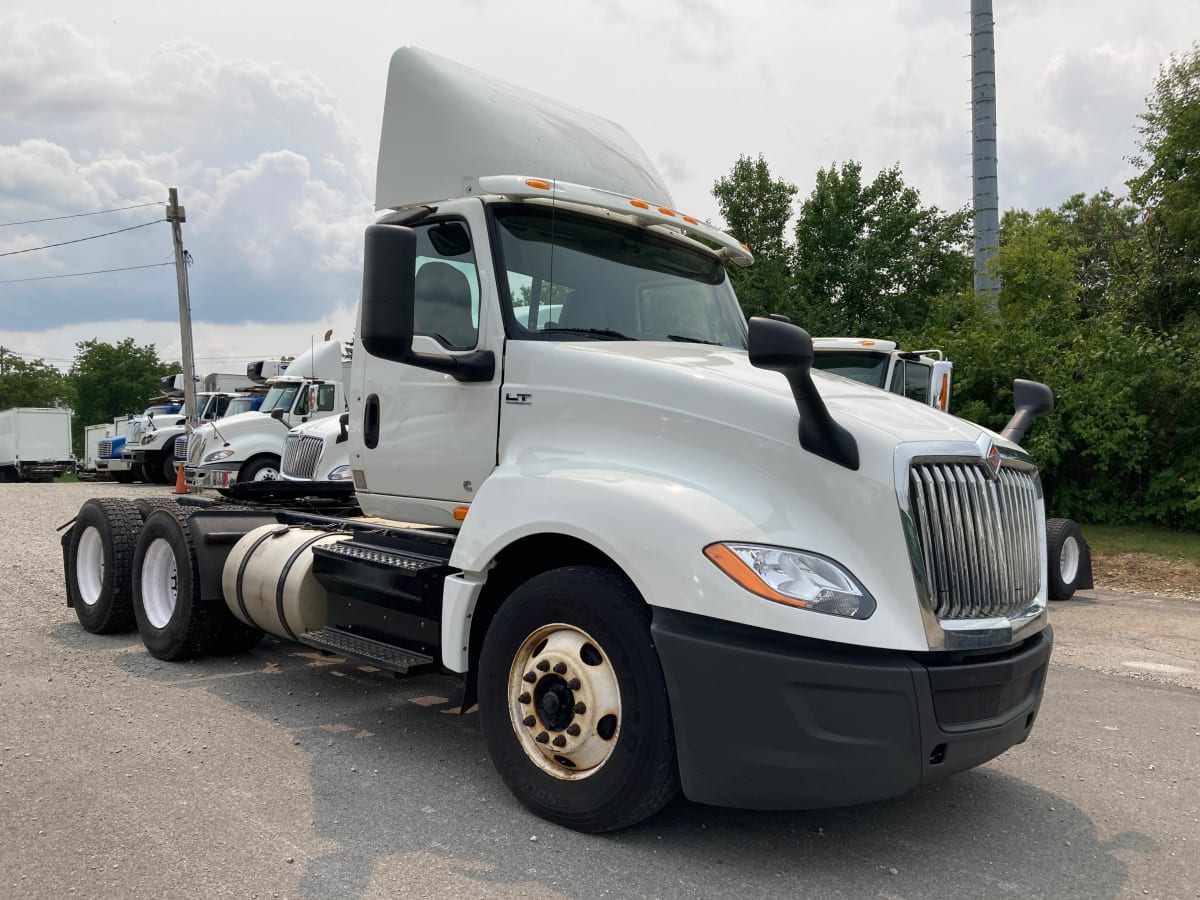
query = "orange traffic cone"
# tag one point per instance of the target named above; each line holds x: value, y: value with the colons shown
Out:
x: 180, y: 480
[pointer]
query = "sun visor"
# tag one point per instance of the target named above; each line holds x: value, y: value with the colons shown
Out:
x: 445, y: 125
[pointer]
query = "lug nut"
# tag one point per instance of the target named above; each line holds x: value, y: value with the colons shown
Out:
x: 574, y: 684
x: 543, y: 666
x: 524, y: 698
x: 560, y: 741
x: 560, y: 668
x: 530, y: 677
x: 580, y: 709
x: 543, y: 738
x: 529, y: 721
x: 573, y: 730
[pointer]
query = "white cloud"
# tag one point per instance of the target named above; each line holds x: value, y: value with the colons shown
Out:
x: 275, y: 182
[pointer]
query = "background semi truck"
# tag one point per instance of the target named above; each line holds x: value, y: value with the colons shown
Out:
x: 35, y: 444
x: 661, y: 552
x: 249, y: 447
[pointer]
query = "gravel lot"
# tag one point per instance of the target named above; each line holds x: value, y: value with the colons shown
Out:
x: 283, y: 773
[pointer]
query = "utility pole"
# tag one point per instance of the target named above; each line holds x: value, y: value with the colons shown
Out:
x: 177, y: 216
x: 983, y: 156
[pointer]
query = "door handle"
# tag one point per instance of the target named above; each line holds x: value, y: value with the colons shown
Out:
x: 371, y: 422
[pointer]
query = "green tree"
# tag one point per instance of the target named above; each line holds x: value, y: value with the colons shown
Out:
x: 1168, y: 188
x: 870, y: 258
x: 25, y: 383
x: 756, y: 208
x: 112, y: 380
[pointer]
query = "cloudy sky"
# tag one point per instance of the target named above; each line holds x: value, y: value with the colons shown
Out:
x: 266, y: 117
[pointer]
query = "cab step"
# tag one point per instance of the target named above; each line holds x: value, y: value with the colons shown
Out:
x: 395, y: 659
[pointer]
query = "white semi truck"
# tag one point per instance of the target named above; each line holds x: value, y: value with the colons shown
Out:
x: 35, y: 444
x: 658, y: 548
x: 249, y: 447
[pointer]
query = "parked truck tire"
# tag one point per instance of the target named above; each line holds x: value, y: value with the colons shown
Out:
x: 261, y: 468
x: 100, y: 563
x: 147, y: 505
x: 1067, y: 551
x: 175, y: 623
x: 124, y: 476
x: 8, y: 475
x: 166, y: 465
x: 573, y: 703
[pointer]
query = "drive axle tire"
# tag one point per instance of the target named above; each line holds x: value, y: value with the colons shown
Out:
x: 147, y: 505
x: 100, y: 564
x: 173, y: 620
x: 573, y: 704
x: 1064, y: 542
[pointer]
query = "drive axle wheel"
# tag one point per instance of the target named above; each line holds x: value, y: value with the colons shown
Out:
x: 99, y: 559
x: 573, y: 704
x: 172, y: 618
x: 1065, y: 543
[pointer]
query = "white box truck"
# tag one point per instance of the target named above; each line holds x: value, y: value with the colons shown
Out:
x: 35, y: 444
x: 661, y: 552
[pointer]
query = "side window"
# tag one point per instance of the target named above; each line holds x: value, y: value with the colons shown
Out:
x: 301, y: 408
x: 326, y: 394
x: 917, y: 381
x: 446, y: 304
x: 897, y: 384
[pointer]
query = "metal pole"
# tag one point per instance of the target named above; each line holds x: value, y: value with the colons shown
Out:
x: 176, y: 215
x: 983, y: 157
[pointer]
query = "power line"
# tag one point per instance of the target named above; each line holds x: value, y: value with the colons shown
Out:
x: 98, y: 212
x: 82, y: 239
x: 77, y: 274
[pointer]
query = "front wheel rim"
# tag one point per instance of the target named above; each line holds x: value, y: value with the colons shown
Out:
x: 160, y: 583
x: 266, y: 473
x: 89, y: 566
x: 564, y: 702
x: 1068, y: 560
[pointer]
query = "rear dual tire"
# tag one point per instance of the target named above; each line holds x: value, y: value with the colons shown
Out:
x: 173, y: 618
x: 100, y: 556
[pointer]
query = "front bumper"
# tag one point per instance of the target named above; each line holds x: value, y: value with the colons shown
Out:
x: 768, y: 721
x: 215, y: 476
x: 112, y: 464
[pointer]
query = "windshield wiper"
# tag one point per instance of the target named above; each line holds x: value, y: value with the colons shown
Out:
x: 599, y: 332
x: 691, y: 340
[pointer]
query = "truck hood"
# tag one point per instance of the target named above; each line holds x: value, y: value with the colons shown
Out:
x: 720, y: 383
x: 233, y: 427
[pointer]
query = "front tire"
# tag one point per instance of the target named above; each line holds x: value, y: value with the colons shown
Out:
x: 99, y: 564
x: 265, y: 468
x: 573, y: 704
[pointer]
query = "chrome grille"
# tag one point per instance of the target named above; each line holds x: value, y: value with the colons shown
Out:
x: 181, y: 447
x: 979, y: 538
x: 105, y: 448
x: 195, y: 450
x: 301, y: 453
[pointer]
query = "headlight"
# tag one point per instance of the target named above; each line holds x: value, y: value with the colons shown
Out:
x: 149, y: 438
x: 218, y: 454
x: 341, y: 473
x: 794, y: 577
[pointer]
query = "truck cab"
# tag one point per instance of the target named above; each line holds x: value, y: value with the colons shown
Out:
x: 921, y: 375
x: 154, y: 450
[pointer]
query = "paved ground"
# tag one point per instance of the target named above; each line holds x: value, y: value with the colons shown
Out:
x: 285, y: 774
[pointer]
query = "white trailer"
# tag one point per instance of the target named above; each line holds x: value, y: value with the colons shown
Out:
x: 92, y: 436
x: 35, y: 444
x: 660, y: 551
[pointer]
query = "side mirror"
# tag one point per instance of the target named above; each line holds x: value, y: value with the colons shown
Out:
x: 389, y: 267
x: 785, y: 348
x: 277, y: 415
x: 1031, y: 399
x: 343, y: 432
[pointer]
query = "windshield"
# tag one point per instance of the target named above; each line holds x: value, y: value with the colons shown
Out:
x: 239, y: 405
x: 280, y: 397
x: 574, y: 277
x: 868, y: 368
